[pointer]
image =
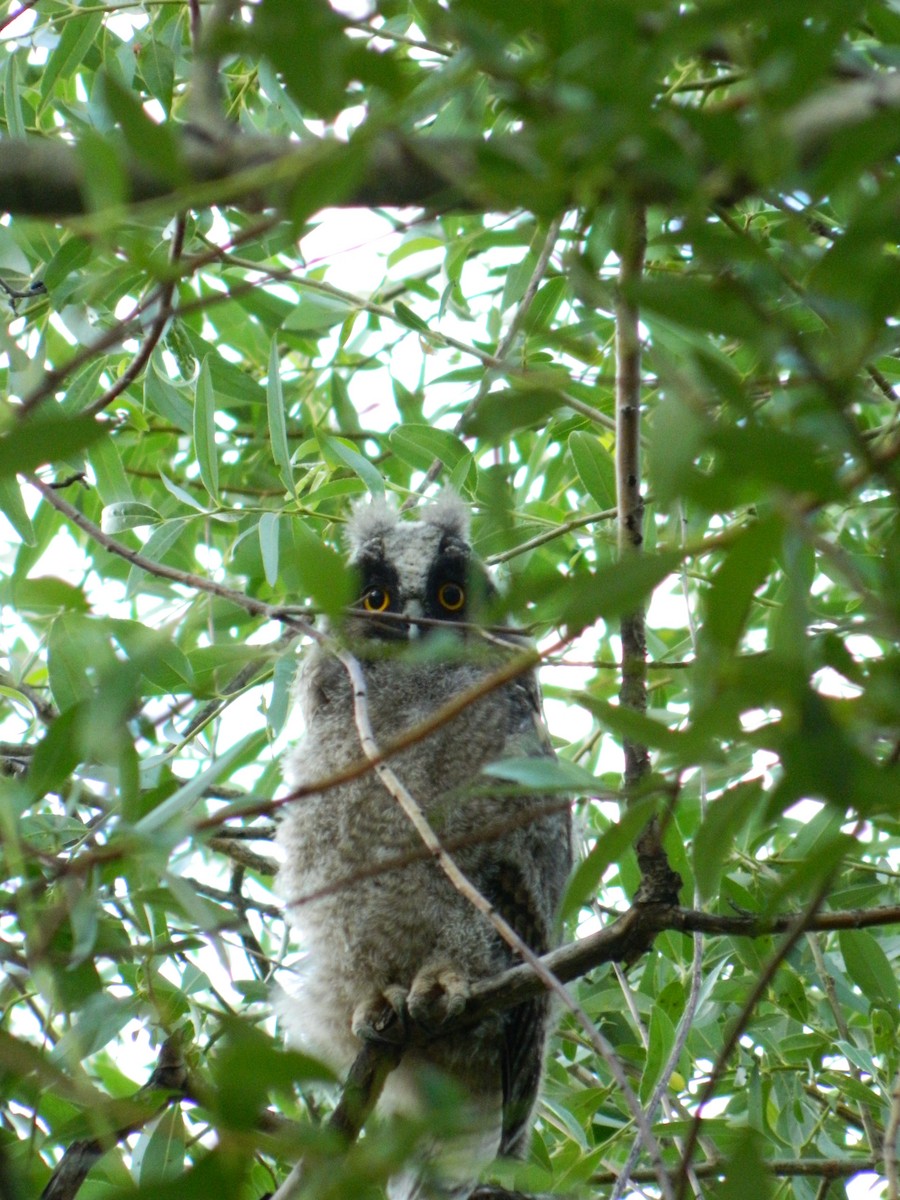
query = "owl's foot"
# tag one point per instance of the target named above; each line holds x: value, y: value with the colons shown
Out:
x: 438, y: 993
x: 382, y: 1017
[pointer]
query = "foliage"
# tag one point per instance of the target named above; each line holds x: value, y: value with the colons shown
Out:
x: 256, y: 369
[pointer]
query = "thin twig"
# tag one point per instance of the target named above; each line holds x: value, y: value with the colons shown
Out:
x: 801, y: 924
x: 843, y: 1029
x: 163, y: 298
x: 891, y: 1133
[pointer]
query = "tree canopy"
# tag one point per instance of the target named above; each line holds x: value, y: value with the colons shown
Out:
x: 624, y: 274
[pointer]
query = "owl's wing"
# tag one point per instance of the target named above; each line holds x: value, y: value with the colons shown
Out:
x: 528, y: 900
x: 525, y: 1026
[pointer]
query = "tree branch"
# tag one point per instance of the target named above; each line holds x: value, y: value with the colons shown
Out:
x: 169, y: 1075
x: 659, y: 883
x: 45, y: 178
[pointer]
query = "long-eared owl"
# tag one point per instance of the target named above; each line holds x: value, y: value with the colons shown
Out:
x: 383, y: 946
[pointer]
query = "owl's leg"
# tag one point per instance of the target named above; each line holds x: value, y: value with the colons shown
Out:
x: 438, y: 993
x: 381, y: 1017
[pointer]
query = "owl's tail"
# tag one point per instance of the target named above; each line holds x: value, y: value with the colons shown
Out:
x: 447, y: 1168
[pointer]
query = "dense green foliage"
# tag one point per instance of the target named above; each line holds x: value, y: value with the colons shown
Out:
x: 255, y: 369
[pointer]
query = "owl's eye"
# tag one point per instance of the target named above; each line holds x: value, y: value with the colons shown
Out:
x: 451, y: 596
x: 376, y: 600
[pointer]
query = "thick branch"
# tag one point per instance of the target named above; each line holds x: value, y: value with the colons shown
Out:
x: 45, y: 178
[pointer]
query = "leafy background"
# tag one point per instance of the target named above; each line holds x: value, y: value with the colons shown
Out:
x: 209, y: 376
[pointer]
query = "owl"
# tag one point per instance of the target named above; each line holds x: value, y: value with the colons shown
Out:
x: 386, y: 944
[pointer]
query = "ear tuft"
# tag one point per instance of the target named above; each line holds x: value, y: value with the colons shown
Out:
x: 450, y: 513
x: 370, y: 519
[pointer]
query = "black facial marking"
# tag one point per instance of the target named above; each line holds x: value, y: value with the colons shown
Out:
x: 379, y: 592
x: 448, y: 577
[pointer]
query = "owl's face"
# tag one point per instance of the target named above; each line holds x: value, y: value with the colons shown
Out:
x: 415, y: 576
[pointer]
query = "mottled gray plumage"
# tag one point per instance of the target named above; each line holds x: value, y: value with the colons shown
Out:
x: 406, y: 941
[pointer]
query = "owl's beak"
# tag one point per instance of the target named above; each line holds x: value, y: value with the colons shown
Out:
x: 413, y: 611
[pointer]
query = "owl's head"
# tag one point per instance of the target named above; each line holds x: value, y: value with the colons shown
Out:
x: 414, y: 573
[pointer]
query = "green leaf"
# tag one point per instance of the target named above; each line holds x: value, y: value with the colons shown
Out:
x: 160, y: 1152
x: 595, y: 467
x: 280, y: 699
x: 543, y: 774
x: 407, y: 317
x: 611, y: 845
x: 77, y: 652
x: 127, y: 514
x: 277, y: 422
x: 548, y: 299
x: 502, y: 412
x: 164, y: 399
x: 714, y: 841
x: 161, y: 540
x: 78, y: 36
x: 869, y: 967
x: 12, y: 100
x: 660, y: 1043
x: 13, y: 508
x: 316, y: 313
x: 322, y: 571
x: 172, y: 811
x: 47, y: 440
x: 268, y: 543
x: 153, y: 145
x: 613, y: 590
x: 306, y: 41
x: 746, y: 566
x: 420, y: 445
x: 205, y: 431
x: 746, y: 1173
x: 337, y: 448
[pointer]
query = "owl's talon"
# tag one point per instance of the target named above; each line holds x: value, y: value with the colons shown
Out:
x: 383, y: 1018
x: 437, y: 995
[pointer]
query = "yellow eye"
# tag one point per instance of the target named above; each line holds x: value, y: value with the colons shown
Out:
x: 376, y: 600
x: 451, y: 596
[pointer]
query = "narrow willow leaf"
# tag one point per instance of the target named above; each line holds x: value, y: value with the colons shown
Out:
x: 161, y: 540
x: 182, y: 801
x: 745, y: 567
x: 267, y: 530
x: 407, y: 317
x: 280, y: 699
x: 419, y: 445
x: 13, y: 508
x: 337, y: 448
x: 869, y: 967
x: 47, y: 440
x: 595, y: 467
x: 277, y: 423
x: 205, y: 431
x: 660, y: 1043
x: 714, y: 840
x: 15, y: 120
x: 127, y: 514
x: 322, y: 571
x: 181, y: 493
x: 611, y: 845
